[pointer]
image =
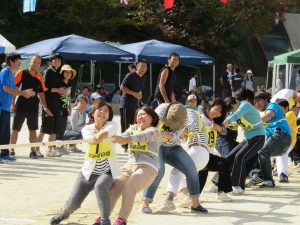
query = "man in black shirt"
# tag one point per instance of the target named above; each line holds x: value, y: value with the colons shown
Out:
x: 224, y: 79
x: 132, y: 87
x: 28, y: 107
x: 164, y: 92
x: 51, y: 124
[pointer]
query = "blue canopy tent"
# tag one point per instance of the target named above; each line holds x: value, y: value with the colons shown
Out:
x: 155, y: 51
x: 74, y: 47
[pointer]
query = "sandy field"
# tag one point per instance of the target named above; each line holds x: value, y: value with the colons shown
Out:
x: 32, y: 191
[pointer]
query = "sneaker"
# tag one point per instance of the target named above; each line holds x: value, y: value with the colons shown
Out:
x: 56, y: 219
x: 186, y: 202
x: 99, y: 221
x: 146, y: 210
x: 120, y: 221
x: 283, y: 178
x: 212, y: 189
x: 167, y: 206
x: 199, y: 209
x: 73, y: 148
x: 7, y: 159
x: 223, y: 197
x: 33, y: 155
x: 237, y: 190
x: 254, y: 181
x: 53, y: 152
x: 12, y: 154
x: 39, y: 154
x: 268, y: 184
x: 63, y: 150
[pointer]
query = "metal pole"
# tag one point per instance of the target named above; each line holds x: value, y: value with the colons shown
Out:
x: 120, y: 68
x: 150, y: 78
x: 287, y: 75
x: 214, y: 79
x: 274, y: 78
x: 267, y: 79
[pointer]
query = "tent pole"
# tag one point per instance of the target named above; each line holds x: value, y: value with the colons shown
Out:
x: 214, y: 79
x: 274, y: 78
x: 120, y: 68
x: 91, y: 74
x: 267, y: 79
x: 287, y: 75
x: 150, y: 78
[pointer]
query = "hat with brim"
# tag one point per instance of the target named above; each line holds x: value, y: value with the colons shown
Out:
x: 68, y: 68
x: 176, y: 117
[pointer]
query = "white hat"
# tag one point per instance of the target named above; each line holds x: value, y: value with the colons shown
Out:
x: 249, y: 71
x: 192, y: 97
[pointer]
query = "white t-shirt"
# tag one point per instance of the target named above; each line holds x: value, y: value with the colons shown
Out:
x: 283, y: 94
x: 192, y: 83
x: 297, y: 81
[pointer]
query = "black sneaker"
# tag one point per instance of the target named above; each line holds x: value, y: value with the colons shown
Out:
x: 33, y: 155
x: 12, y: 154
x: 283, y: 178
x: 268, y: 184
x: 199, y: 209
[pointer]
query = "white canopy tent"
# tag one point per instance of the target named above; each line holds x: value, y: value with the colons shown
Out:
x: 9, y: 47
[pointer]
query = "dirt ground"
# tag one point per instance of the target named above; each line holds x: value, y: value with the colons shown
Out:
x: 32, y: 191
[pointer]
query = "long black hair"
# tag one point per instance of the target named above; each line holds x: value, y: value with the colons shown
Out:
x: 217, y: 102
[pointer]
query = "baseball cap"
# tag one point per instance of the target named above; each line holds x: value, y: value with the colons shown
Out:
x: 191, y: 97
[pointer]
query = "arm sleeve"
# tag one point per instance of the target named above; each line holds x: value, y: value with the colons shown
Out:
x: 111, y: 127
x: 18, y: 78
x: 243, y: 108
x: 126, y: 80
x: 87, y: 132
x: 74, y: 120
x: 49, y: 81
x: 149, y: 135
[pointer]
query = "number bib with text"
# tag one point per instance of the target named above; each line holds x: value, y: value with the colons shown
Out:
x: 162, y: 127
x: 245, y: 124
x: 137, y: 146
x: 99, y: 151
x: 211, y: 137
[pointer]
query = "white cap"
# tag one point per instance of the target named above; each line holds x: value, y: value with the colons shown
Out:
x: 249, y: 71
x: 192, y: 97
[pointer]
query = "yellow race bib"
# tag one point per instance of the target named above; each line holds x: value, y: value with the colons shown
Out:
x: 211, y: 137
x: 99, y: 151
x: 298, y: 129
x: 245, y: 124
x: 162, y: 127
x: 137, y: 146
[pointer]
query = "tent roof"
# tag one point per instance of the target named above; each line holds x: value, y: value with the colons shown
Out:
x: 289, y: 57
x: 155, y: 51
x: 8, y: 47
x: 74, y: 47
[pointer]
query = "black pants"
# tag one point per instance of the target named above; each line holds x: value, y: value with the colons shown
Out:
x: 127, y: 118
x: 240, y: 155
x: 295, y: 153
x: 216, y: 163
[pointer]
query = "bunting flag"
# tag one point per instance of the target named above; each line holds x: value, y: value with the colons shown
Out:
x: 29, y: 5
x: 224, y: 1
x: 168, y: 4
x: 124, y: 2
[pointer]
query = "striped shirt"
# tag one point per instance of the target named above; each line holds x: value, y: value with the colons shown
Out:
x: 193, y: 125
x: 161, y: 111
x: 102, y: 166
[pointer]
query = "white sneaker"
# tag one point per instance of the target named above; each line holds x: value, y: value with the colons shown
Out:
x: 53, y: 152
x: 186, y: 202
x: 237, y: 190
x: 223, y: 197
x: 212, y: 189
x: 167, y: 206
x: 73, y: 148
x: 63, y: 150
x: 39, y: 154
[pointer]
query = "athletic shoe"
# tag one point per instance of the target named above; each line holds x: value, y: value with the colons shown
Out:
x: 99, y: 221
x: 73, y: 148
x: 12, y: 154
x: 223, y: 197
x: 268, y: 184
x: 56, y: 219
x: 63, y: 150
x: 254, y: 181
x: 33, y: 155
x: 39, y: 154
x: 237, y: 190
x: 199, y: 209
x: 146, y: 210
x: 283, y: 178
x: 186, y: 202
x: 212, y: 189
x: 53, y: 152
x: 167, y: 206
x: 7, y: 159
x: 120, y: 221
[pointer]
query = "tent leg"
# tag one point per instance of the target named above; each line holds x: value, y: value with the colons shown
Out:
x: 150, y: 79
x: 120, y: 68
x: 267, y: 79
x: 274, y: 78
x: 214, y: 79
x: 287, y: 65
